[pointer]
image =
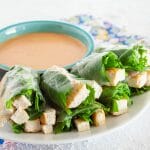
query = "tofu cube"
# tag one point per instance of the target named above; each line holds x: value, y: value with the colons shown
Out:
x: 20, y: 116
x: 137, y: 79
x: 122, y: 106
x: 82, y: 125
x: 148, y: 78
x: 78, y: 94
x: 22, y: 102
x: 33, y: 126
x: 48, y: 117
x: 99, y: 117
x: 115, y: 75
x: 97, y: 88
x: 47, y: 129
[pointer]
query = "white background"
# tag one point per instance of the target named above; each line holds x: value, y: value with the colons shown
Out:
x: 133, y: 14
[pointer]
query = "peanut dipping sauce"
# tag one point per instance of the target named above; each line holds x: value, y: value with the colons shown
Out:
x: 41, y: 50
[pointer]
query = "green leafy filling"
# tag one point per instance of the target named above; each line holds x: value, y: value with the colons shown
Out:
x: 113, y: 93
x: 111, y: 60
x: 135, y: 58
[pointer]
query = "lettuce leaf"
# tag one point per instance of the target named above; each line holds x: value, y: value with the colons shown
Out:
x: 111, y: 60
x: 135, y: 58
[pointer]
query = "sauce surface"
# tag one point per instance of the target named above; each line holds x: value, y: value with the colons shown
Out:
x: 41, y: 50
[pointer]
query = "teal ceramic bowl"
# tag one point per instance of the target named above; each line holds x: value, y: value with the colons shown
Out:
x: 46, y: 26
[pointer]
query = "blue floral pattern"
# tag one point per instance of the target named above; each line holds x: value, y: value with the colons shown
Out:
x: 103, y: 31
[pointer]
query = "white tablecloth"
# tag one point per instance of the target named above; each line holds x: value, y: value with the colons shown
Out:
x: 134, y: 15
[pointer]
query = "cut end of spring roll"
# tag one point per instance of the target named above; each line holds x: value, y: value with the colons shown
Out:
x: 137, y: 79
x: 99, y: 117
x: 115, y: 75
x: 82, y: 125
x: 78, y: 94
x: 121, y: 105
x: 33, y: 126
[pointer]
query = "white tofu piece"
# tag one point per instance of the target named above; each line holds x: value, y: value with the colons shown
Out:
x: 122, y: 107
x: 48, y: 117
x: 148, y: 78
x: 47, y: 129
x: 33, y: 126
x: 115, y: 75
x: 20, y: 116
x: 22, y: 102
x: 99, y: 117
x: 82, y: 125
x: 95, y: 86
x: 78, y: 94
x: 137, y: 79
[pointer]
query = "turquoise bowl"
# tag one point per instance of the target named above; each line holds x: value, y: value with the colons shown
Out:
x: 46, y: 26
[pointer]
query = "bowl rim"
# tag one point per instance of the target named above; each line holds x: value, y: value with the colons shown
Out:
x: 88, y: 35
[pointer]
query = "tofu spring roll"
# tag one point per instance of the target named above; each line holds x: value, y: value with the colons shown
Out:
x: 64, y: 89
x: 136, y: 61
x: 21, y: 99
x: 116, y: 98
x: 75, y: 98
x: 105, y: 68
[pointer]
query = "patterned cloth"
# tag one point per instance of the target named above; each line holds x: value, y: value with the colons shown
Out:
x: 104, y: 33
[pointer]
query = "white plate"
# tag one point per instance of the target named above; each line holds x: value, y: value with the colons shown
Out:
x: 140, y: 104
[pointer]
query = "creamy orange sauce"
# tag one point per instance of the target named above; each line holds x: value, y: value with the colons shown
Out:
x: 41, y: 50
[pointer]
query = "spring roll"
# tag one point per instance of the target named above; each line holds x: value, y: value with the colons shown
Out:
x: 135, y: 60
x: 63, y: 88
x: 74, y: 97
x: 20, y: 96
x: 105, y: 68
